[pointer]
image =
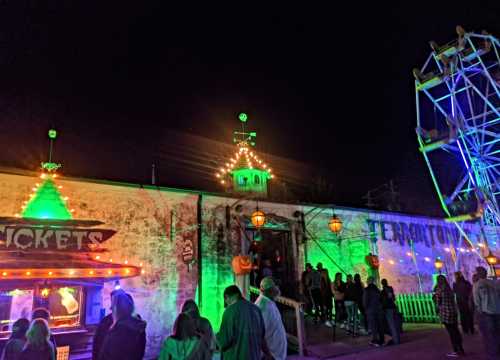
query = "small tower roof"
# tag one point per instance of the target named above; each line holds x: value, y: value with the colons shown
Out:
x: 244, y: 157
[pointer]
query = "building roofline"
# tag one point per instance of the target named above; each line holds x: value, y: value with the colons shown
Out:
x: 24, y: 172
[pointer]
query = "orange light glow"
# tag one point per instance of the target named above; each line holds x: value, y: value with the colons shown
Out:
x: 4, y: 273
x: 28, y: 273
x: 50, y: 273
x: 45, y: 292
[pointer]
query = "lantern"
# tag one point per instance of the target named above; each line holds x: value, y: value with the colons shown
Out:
x: 335, y: 224
x: 258, y: 218
x: 438, y: 264
x: 491, y: 259
x: 242, y: 265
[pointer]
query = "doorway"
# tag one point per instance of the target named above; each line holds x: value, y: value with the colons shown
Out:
x: 273, y: 255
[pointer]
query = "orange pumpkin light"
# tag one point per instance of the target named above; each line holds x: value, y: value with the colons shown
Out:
x: 335, y: 224
x: 242, y: 265
x: 258, y: 219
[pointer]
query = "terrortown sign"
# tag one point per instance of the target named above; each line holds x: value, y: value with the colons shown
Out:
x: 26, y: 238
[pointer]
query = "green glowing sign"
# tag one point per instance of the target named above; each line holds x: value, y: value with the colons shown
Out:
x: 52, y: 134
x: 243, y: 117
x: 47, y: 203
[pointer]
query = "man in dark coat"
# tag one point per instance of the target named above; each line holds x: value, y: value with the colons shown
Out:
x: 241, y: 335
x: 388, y: 299
x: 126, y: 339
x: 103, y: 327
x: 463, y: 293
x: 374, y: 312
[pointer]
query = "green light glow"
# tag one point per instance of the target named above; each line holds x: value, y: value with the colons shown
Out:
x: 47, y: 203
x: 52, y: 134
x: 250, y: 180
x: 243, y: 117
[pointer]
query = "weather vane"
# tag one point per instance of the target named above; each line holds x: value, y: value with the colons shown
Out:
x: 51, y: 166
x: 242, y: 137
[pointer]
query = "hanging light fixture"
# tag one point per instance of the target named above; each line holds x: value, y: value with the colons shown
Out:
x: 491, y: 259
x: 438, y: 264
x: 335, y: 224
x: 258, y: 217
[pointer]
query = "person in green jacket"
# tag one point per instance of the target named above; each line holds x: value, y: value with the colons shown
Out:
x: 184, y: 343
x: 241, y: 335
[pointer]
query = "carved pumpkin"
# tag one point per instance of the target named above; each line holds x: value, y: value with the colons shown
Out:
x: 242, y: 265
x: 372, y: 260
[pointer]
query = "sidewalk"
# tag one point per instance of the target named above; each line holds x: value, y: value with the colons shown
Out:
x: 419, y: 341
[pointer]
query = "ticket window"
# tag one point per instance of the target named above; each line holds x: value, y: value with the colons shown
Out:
x: 63, y: 302
x: 14, y: 304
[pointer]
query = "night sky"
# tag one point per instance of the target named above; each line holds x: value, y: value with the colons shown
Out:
x: 330, y: 87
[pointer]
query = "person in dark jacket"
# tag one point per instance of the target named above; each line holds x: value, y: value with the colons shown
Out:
x: 43, y: 313
x: 241, y: 335
x: 103, y: 327
x: 126, y: 338
x: 327, y: 296
x: 463, y: 293
x: 358, y: 298
x: 446, y: 308
x: 388, y: 299
x: 17, y: 340
x: 38, y: 345
x: 373, y: 308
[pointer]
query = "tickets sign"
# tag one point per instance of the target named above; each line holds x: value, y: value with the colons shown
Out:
x: 40, y: 238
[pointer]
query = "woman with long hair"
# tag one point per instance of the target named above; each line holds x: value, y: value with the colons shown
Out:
x: 184, y: 343
x: 38, y: 345
x: 13, y: 348
x: 203, y: 327
x: 447, y: 310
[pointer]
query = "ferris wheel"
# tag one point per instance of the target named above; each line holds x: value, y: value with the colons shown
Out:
x: 458, y: 128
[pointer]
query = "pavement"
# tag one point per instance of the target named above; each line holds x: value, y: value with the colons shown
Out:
x: 418, y: 342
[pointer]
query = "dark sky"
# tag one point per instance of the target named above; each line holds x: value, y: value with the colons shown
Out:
x: 328, y: 86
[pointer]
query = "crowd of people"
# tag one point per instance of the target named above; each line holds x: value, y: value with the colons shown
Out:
x: 255, y: 331
x: 31, y: 340
x: 248, y: 331
x: 472, y: 303
x: 359, y: 310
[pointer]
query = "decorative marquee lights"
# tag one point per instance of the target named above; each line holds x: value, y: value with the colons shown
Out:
x: 47, y: 273
x: 243, y: 157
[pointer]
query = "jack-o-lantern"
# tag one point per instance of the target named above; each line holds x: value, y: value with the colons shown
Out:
x: 242, y: 265
x: 373, y: 261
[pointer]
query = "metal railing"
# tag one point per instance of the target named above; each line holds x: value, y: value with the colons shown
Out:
x: 417, y: 308
x: 292, y: 314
